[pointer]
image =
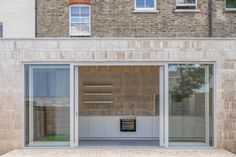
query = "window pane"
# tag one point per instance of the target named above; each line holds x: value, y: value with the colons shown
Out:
x: 186, y: 4
x: 140, y: 3
x: 47, y: 105
x: 190, y: 104
x: 80, y: 24
x: 149, y: 3
x: 80, y: 29
x: 75, y: 20
x: 230, y: 4
x: 186, y: 1
x: 186, y: 7
x: 84, y: 20
x: 80, y: 20
x: 75, y: 29
x: 84, y: 11
x: 84, y: 28
x: 1, y: 30
x: 75, y: 11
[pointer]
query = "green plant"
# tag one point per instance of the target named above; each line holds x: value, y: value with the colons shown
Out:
x: 190, y: 80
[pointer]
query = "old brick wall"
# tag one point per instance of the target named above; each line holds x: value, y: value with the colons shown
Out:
x: 14, y: 52
x: 224, y: 23
x: 52, y: 18
x: 115, y: 18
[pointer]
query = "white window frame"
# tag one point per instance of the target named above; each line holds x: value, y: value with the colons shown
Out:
x: 146, y: 9
x: 193, y: 145
x: 229, y: 9
x: 186, y: 4
x: 80, y: 35
x: 49, y: 144
x: 1, y: 24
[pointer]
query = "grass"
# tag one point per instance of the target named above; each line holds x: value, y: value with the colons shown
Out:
x: 55, y: 138
x: 230, y: 3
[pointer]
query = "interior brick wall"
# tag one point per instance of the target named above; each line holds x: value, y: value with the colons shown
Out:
x: 133, y: 90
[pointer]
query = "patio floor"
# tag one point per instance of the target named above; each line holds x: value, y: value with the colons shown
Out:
x: 119, y: 152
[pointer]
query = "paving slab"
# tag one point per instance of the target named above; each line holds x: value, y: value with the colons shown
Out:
x: 119, y: 152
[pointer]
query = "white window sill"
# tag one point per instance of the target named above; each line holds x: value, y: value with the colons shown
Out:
x: 146, y: 11
x: 230, y: 9
x: 186, y: 10
x: 79, y: 36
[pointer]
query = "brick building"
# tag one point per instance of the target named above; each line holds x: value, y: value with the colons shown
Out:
x: 117, y: 73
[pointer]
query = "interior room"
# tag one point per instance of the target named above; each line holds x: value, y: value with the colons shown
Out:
x: 119, y: 105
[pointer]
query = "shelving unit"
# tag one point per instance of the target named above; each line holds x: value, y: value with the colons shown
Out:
x: 98, y: 86
x: 94, y: 94
x: 98, y: 102
x: 98, y: 94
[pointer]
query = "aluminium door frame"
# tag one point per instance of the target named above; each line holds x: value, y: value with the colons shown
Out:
x: 214, y: 104
x: 37, y: 65
x: 163, y: 103
x: 124, y: 63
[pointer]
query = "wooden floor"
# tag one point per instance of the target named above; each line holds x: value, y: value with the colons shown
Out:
x: 119, y: 152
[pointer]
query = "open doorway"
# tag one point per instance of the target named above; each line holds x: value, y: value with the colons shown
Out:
x: 119, y: 105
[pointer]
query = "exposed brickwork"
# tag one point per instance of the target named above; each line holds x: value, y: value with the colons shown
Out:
x: 14, y: 52
x: 132, y: 90
x: 78, y: 1
x: 224, y: 23
x: 52, y: 18
x: 115, y: 18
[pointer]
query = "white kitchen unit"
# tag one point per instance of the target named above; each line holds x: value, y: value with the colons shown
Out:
x: 108, y: 127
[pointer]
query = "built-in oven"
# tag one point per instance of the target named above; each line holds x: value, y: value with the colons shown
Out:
x: 127, y: 125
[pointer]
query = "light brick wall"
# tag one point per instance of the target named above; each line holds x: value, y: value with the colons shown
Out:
x: 14, y: 52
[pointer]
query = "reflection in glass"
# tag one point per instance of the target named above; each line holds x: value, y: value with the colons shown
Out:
x: 190, y: 103
x: 47, y: 99
x: 140, y: 3
x: 186, y: 1
x: 75, y: 11
x: 186, y: 4
x: 145, y: 4
x: 84, y: 11
x: 150, y: 3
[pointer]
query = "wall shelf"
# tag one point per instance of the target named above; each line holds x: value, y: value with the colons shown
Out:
x: 94, y: 94
x: 98, y: 86
x: 98, y: 94
x: 98, y: 102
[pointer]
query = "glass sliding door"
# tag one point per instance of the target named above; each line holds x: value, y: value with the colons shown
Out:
x: 191, y: 105
x: 47, y: 105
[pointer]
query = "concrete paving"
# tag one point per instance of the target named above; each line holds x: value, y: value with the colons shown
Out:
x: 119, y: 152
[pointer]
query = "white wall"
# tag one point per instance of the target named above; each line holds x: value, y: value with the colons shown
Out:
x: 18, y: 18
